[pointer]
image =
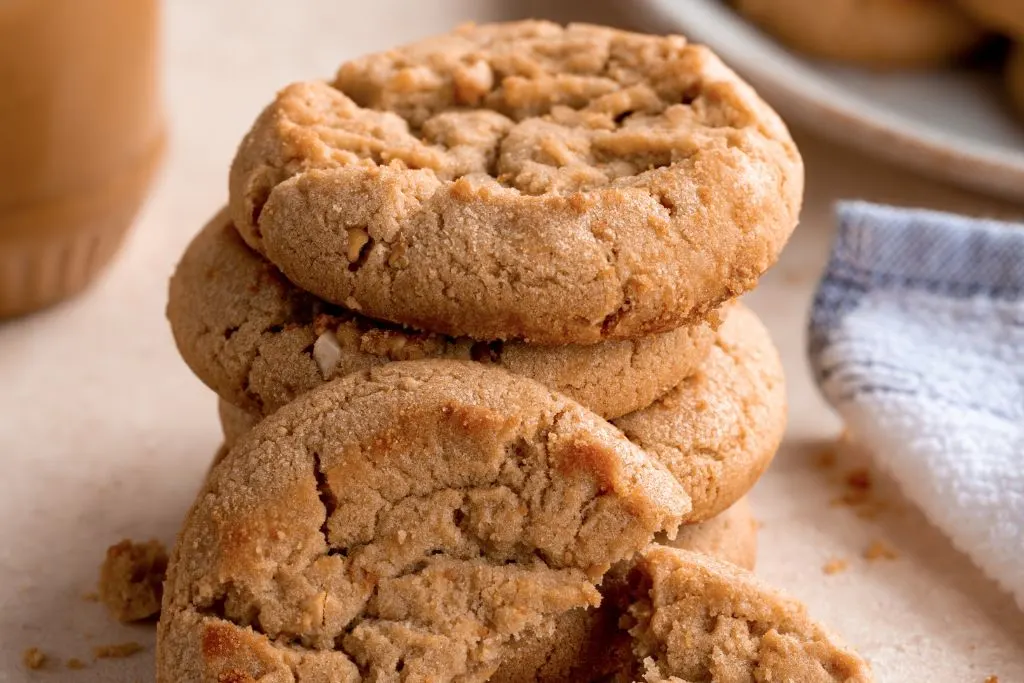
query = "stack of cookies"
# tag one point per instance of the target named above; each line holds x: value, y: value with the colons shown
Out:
x: 490, y: 406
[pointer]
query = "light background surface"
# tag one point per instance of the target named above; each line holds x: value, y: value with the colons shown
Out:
x: 105, y: 434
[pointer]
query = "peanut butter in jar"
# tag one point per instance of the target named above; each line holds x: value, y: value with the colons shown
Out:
x: 81, y: 133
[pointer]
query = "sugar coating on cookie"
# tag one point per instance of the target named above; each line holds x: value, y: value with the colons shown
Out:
x: 405, y: 522
x: 259, y: 341
x: 698, y: 619
x: 718, y: 430
x: 886, y: 34
x: 587, y: 644
x: 522, y: 181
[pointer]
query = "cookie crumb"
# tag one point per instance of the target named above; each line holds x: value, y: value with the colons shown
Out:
x: 91, y: 597
x: 880, y: 550
x: 131, y: 579
x: 834, y: 566
x: 825, y: 460
x: 992, y: 679
x: 859, y: 479
x: 117, y: 651
x: 33, y: 658
x: 75, y: 663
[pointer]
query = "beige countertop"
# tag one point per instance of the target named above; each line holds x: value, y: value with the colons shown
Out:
x: 105, y: 434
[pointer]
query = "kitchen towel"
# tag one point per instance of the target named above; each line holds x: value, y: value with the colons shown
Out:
x: 917, y: 340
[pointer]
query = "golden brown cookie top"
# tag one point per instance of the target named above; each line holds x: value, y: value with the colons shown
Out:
x: 411, y: 518
x: 523, y: 180
x: 699, y: 619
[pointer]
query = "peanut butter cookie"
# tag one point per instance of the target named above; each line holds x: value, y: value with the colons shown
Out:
x: 522, y: 181
x: 884, y: 34
x: 1005, y: 16
x: 717, y: 431
x: 406, y: 522
x: 587, y: 643
x: 695, y: 618
x: 259, y: 341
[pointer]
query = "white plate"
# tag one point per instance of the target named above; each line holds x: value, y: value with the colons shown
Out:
x: 949, y: 124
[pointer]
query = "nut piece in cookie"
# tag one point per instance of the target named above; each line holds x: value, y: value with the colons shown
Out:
x: 410, y: 521
x: 882, y: 34
x: 523, y: 181
x: 131, y: 579
x: 697, y: 619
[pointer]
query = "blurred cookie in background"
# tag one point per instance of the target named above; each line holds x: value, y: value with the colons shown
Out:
x: 882, y: 34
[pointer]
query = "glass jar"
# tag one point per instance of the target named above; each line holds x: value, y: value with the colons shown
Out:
x: 81, y: 133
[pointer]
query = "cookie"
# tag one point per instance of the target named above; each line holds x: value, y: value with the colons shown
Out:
x: 884, y: 34
x: 407, y: 521
x: 1015, y: 78
x: 695, y: 618
x: 730, y: 536
x: 523, y: 181
x: 719, y: 429
x: 259, y: 341
x: 587, y: 643
x: 1005, y: 16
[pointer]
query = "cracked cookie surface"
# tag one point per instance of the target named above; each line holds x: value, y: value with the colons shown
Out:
x: 522, y: 181
x: 259, y: 341
x: 716, y: 431
x: 587, y: 644
x: 878, y: 33
x: 403, y: 523
x: 697, y: 619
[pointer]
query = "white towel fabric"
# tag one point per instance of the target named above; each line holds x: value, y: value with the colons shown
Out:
x: 917, y: 340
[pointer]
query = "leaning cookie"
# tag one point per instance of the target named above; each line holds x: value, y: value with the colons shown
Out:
x: 694, y: 618
x: 1005, y: 16
x: 409, y: 522
x: 588, y: 644
x: 259, y: 341
x: 887, y: 34
x: 716, y: 431
x: 523, y: 181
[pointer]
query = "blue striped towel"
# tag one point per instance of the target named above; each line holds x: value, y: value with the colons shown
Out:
x: 917, y: 340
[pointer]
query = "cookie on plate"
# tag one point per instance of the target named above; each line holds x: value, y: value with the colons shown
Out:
x: 884, y: 34
x: 410, y: 520
x: 695, y: 618
x: 522, y: 181
x: 716, y: 431
x: 1005, y: 16
x: 259, y: 341
x: 587, y: 643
